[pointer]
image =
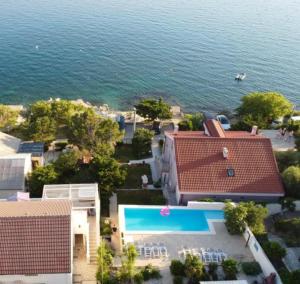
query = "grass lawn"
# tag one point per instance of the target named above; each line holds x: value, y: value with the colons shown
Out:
x: 141, y: 197
x: 134, y: 174
x: 124, y: 153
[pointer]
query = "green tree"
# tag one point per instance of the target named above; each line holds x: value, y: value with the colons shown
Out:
x: 108, y: 173
x: 196, y: 120
x: 194, y: 268
x: 286, y: 159
x: 291, y: 179
x: 153, y: 109
x: 8, y: 117
x: 39, y: 177
x: 141, y: 142
x: 230, y: 268
x: 185, y: 125
x: 90, y: 131
x: 255, y: 217
x: 177, y: 268
x: 262, y: 108
x: 127, y: 271
x: 42, y: 129
x: 245, y: 213
x: 67, y: 163
x: 104, y: 262
x: 235, y: 217
x: 274, y: 250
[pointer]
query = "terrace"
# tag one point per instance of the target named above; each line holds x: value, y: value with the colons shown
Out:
x: 175, y: 245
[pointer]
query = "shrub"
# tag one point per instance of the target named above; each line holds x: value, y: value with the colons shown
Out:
x: 235, y: 219
x: 289, y: 203
x: 291, y: 179
x: 185, y: 125
x: 150, y: 272
x: 212, y: 270
x: 177, y: 268
x: 207, y: 199
x: 138, y: 278
x: 251, y: 268
x: 157, y: 184
x: 286, y: 159
x: 177, y: 280
x: 274, y: 250
x: 290, y: 228
x: 230, y: 269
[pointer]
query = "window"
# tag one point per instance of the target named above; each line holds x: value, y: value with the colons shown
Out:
x: 230, y: 172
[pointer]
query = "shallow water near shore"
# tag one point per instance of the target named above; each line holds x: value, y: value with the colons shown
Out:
x: 118, y: 51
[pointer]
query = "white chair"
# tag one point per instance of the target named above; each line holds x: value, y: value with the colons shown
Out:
x: 163, y: 252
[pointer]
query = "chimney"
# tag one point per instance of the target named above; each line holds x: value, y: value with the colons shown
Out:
x: 176, y: 129
x: 254, y: 130
x: 225, y: 153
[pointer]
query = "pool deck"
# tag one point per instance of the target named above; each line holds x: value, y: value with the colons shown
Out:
x: 232, y: 245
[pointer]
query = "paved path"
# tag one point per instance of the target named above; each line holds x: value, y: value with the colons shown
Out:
x: 291, y: 260
x: 113, y: 213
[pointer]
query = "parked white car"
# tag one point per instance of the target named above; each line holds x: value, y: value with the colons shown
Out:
x: 224, y: 121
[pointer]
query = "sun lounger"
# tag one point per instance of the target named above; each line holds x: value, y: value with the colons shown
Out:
x: 206, y: 258
x: 215, y: 257
x: 147, y: 252
x: 155, y: 252
x: 163, y: 252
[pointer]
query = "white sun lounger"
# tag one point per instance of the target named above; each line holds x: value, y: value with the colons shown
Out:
x: 147, y: 252
x: 215, y: 257
x: 155, y: 252
x: 163, y: 252
x: 207, y: 258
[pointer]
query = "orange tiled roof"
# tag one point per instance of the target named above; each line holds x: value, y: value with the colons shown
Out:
x: 35, y: 237
x: 202, y: 168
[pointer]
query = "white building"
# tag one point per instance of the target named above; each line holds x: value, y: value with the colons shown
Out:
x: 85, y: 214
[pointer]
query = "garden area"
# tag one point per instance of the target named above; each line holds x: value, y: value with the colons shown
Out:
x: 133, y: 178
x: 141, y: 197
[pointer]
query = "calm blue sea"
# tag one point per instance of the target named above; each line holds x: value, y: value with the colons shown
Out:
x: 116, y: 51
x: 150, y: 219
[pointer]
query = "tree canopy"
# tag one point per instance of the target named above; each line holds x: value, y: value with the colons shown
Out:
x: 90, y: 131
x: 153, y: 109
x: 194, y: 268
x: 141, y: 142
x: 245, y: 213
x: 107, y: 173
x: 291, y: 179
x: 262, y: 108
x: 41, y: 176
x: 8, y: 117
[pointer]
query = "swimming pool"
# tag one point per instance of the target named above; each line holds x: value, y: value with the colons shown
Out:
x: 149, y: 220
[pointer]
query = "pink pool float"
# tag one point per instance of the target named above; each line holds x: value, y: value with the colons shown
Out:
x: 165, y: 211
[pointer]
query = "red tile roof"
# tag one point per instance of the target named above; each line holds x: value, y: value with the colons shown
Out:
x: 201, y: 167
x: 32, y: 242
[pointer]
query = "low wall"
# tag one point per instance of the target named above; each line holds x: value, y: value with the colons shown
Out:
x: 206, y: 205
x: 260, y: 256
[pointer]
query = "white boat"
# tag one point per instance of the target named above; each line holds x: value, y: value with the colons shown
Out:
x: 240, y: 76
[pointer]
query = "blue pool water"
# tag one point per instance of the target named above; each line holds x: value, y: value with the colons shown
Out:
x: 184, y: 220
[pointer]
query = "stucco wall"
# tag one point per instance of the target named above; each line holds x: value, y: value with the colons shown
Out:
x: 260, y: 256
x: 38, y: 279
